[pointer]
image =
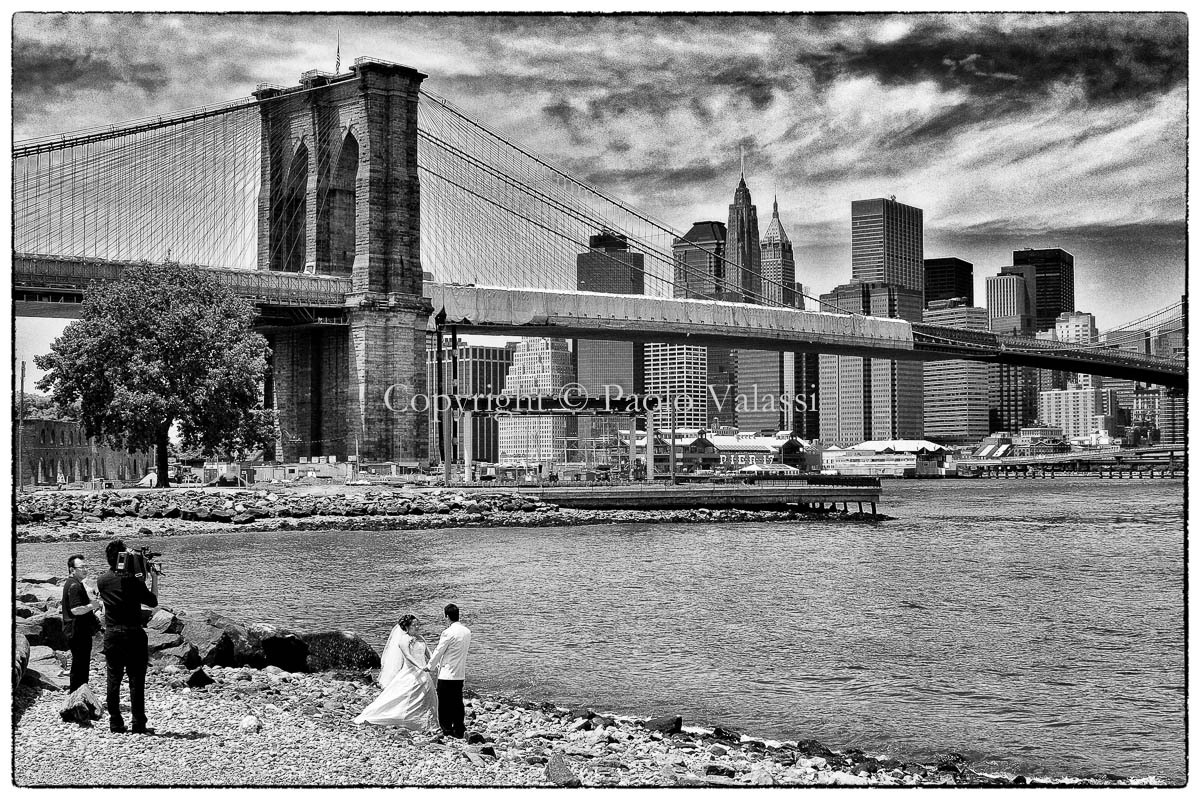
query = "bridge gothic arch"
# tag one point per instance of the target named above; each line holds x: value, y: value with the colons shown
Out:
x: 339, y: 211
x: 289, y: 251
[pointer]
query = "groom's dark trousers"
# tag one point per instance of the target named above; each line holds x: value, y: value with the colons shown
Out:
x: 451, y: 713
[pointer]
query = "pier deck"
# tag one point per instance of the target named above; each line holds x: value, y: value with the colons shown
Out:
x: 714, y: 496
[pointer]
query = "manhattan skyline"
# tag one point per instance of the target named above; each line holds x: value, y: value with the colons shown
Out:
x: 1008, y: 130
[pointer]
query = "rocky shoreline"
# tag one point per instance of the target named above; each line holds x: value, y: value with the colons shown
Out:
x: 89, y: 516
x: 252, y: 705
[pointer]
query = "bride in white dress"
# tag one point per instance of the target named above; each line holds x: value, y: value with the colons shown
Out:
x: 409, y: 697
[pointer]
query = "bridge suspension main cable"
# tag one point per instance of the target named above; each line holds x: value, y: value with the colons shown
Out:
x: 522, y: 220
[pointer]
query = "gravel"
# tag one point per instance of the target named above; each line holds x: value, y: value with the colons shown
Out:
x: 305, y: 737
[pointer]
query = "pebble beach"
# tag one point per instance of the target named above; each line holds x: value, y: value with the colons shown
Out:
x: 272, y: 728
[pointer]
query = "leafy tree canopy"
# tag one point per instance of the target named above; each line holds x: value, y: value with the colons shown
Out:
x: 164, y: 344
x: 39, y: 406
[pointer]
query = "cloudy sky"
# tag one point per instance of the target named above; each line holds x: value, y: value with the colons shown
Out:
x: 1009, y: 130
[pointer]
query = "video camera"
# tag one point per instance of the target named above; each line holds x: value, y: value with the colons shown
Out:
x: 139, y: 562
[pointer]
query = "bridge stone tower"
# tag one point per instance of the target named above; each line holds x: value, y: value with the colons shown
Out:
x: 340, y: 197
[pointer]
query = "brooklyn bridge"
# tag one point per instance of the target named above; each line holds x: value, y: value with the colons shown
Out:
x: 361, y: 214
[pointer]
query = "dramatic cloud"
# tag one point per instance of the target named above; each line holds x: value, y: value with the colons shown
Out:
x: 1009, y: 130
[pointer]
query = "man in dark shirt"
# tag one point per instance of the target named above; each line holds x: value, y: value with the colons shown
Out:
x: 79, y: 620
x: 125, y: 649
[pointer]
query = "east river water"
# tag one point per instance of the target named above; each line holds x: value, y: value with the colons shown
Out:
x: 1035, y: 626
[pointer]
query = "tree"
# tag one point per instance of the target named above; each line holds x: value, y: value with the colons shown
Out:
x: 165, y: 344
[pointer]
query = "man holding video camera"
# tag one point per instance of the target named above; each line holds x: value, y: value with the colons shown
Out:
x: 124, y: 593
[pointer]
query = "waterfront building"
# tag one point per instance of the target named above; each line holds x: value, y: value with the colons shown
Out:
x: 55, y: 451
x: 956, y: 392
x: 608, y: 267
x: 896, y: 458
x: 1054, y: 270
x: 1039, y: 440
x: 1074, y: 409
x: 540, y: 367
x: 949, y: 279
x: 481, y: 372
x: 887, y: 243
x: 872, y: 398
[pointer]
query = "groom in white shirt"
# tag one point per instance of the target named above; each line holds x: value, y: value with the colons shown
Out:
x: 450, y: 662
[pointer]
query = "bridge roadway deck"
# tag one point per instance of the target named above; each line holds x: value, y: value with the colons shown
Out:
x: 594, y: 315
x: 54, y: 286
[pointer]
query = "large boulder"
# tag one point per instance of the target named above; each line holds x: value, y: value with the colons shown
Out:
x: 339, y: 650
x: 45, y: 670
x: 156, y: 640
x: 40, y: 577
x: 183, y: 655
x: 274, y: 646
x: 39, y: 593
x: 20, y: 658
x: 44, y: 629
x: 666, y: 724
x: 164, y: 620
x: 220, y: 641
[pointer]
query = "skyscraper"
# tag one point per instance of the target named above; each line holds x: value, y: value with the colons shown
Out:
x: 540, y: 367
x: 742, y: 244
x: 481, y: 371
x: 872, y: 398
x: 759, y: 373
x: 1055, y: 282
x: 887, y: 243
x: 609, y: 267
x: 956, y: 391
x: 704, y: 379
x: 876, y: 398
x: 1010, y: 298
x: 779, y: 264
x: 948, y: 278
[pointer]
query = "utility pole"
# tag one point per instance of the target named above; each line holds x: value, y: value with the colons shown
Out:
x: 21, y: 434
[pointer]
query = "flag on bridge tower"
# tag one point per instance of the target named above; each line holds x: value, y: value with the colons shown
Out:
x: 337, y: 64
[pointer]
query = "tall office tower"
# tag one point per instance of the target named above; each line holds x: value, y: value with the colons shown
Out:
x: 872, y: 398
x: 1055, y: 272
x: 1172, y: 417
x: 801, y: 371
x: 602, y: 366
x: 758, y: 374
x: 948, y: 278
x: 887, y: 243
x: 700, y: 268
x: 1010, y: 298
x: 679, y: 374
x: 481, y: 371
x: 701, y: 272
x: 779, y: 265
x: 1077, y: 328
x: 540, y: 367
x: 806, y: 416
x: 742, y: 244
x: 956, y: 392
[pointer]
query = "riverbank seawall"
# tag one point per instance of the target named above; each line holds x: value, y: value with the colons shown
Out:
x: 88, y: 516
